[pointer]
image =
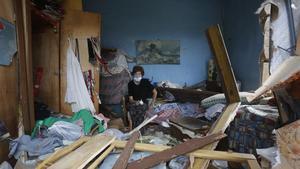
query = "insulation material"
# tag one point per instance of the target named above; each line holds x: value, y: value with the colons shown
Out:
x: 288, y: 142
x: 280, y: 35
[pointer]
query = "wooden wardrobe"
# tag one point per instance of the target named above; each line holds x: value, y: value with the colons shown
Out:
x: 49, y: 49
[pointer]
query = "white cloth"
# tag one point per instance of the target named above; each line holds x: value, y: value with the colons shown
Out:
x: 76, y: 94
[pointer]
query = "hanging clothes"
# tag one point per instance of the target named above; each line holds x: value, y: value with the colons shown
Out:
x: 76, y: 94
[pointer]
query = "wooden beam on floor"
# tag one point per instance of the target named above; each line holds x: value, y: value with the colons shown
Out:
x: 62, y: 152
x: 253, y: 164
x: 180, y: 149
x: 205, y: 154
x: 220, y: 125
x: 80, y: 157
x: 95, y: 164
x: 126, y: 153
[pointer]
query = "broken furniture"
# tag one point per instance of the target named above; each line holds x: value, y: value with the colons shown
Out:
x: 175, y: 151
x: 229, y: 87
x: 187, y: 95
x: 285, y: 84
x: 88, y: 152
x: 201, y: 154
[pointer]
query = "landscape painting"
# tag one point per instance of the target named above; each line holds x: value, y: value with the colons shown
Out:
x: 158, y: 51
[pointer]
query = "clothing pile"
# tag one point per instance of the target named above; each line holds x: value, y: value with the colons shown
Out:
x: 52, y: 132
x: 175, y: 110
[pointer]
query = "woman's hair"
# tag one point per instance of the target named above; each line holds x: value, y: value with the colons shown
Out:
x: 138, y: 69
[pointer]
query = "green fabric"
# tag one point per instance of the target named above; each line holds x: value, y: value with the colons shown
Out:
x: 101, y: 126
x: 87, y: 118
x: 48, y: 122
x: 84, y: 115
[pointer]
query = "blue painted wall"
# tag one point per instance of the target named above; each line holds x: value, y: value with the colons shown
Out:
x: 244, y: 40
x: 124, y: 21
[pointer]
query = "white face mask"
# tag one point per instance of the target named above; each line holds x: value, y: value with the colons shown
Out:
x: 137, y: 79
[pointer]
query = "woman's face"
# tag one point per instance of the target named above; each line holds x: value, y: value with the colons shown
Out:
x: 138, y: 74
x: 137, y: 77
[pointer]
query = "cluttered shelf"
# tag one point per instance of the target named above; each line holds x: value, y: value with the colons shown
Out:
x: 48, y: 14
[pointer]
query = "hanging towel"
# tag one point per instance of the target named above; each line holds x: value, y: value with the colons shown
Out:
x: 77, y: 94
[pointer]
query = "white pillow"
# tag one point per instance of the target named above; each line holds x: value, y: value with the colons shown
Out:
x: 220, y: 98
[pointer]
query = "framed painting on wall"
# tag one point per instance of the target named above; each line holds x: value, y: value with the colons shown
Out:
x: 158, y: 51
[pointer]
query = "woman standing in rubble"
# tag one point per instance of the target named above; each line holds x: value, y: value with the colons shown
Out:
x: 139, y: 92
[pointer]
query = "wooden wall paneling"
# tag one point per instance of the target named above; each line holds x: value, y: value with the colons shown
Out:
x: 81, y: 25
x: 8, y: 80
x: 72, y: 4
x: 7, y: 10
x: 46, y: 56
x: 28, y: 48
x: 9, y: 87
x: 24, y: 77
x: 64, y: 107
x: 9, y: 103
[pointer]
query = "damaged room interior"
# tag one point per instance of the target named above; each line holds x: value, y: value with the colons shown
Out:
x: 161, y: 84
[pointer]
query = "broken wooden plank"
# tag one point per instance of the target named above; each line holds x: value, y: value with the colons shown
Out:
x: 229, y: 85
x: 298, y: 45
x: 62, y: 152
x: 177, y: 150
x: 220, y: 125
x: 265, y: 72
x: 289, y: 68
x: 224, y: 66
x: 80, y: 157
x: 126, y: 153
x: 253, y: 164
x: 144, y: 123
x: 283, y: 113
x: 101, y: 157
x: 205, y: 154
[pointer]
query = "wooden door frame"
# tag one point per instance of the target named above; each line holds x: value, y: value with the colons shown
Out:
x: 23, y: 29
